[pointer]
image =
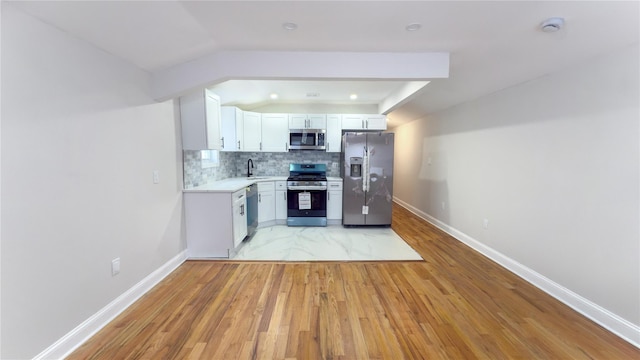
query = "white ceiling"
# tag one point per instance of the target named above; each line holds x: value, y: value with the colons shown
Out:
x: 250, y: 94
x: 493, y: 45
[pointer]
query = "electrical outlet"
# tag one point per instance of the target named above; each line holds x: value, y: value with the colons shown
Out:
x: 485, y: 223
x: 156, y: 176
x: 115, y: 266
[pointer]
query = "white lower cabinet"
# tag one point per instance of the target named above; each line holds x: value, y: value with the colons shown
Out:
x: 208, y: 216
x: 266, y: 203
x: 334, y: 202
x: 239, y: 217
x: 281, y: 202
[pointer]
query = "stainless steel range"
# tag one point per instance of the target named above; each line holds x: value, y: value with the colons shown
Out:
x: 307, y: 195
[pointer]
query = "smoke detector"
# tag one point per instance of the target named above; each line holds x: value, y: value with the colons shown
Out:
x: 552, y: 24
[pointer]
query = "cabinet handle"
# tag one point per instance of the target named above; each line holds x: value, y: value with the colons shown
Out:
x: 261, y: 146
x: 259, y: 198
x: 285, y: 195
x: 222, y: 142
x: 363, y: 124
x: 328, y: 195
x: 238, y: 144
x: 241, y: 209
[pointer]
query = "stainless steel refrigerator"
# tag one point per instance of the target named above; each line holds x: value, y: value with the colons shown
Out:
x: 367, y: 170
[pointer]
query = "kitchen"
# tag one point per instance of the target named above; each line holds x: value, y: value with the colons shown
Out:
x: 78, y: 159
x: 309, y: 148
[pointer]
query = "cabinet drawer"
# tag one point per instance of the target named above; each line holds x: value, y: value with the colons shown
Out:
x: 334, y: 185
x: 266, y: 186
x: 237, y: 195
x: 281, y: 185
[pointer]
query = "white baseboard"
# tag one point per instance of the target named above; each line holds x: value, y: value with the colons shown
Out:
x: 76, y: 337
x: 612, y: 322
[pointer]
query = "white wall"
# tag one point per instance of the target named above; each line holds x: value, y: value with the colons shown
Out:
x: 80, y: 139
x: 553, y: 164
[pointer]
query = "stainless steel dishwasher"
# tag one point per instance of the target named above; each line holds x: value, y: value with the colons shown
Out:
x: 252, y: 210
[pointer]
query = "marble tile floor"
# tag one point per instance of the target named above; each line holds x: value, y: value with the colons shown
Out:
x: 331, y: 243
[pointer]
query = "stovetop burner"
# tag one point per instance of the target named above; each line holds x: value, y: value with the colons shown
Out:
x: 307, y: 172
x: 309, y: 177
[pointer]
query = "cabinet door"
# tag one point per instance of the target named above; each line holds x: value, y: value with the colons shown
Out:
x: 297, y: 121
x: 334, y: 205
x: 266, y: 206
x: 240, y: 132
x: 281, y: 205
x: 230, y: 115
x: 317, y: 121
x: 375, y: 122
x: 334, y: 200
x: 200, y: 120
x: 352, y: 122
x: 212, y: 108
x: 334, y: 133
x: 275, y: 133
x: 252, y: 134
x: 239, y: 218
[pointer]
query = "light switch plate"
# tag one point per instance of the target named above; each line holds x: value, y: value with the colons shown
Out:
x: 115, y: 266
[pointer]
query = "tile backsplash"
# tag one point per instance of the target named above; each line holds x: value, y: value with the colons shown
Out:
x: 234, y: 164
x: 195, y: 175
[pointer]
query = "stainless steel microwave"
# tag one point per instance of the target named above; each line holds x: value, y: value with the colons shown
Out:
x: 307, y: 139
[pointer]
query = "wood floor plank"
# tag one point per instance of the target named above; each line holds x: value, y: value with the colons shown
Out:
x: 456, y: 304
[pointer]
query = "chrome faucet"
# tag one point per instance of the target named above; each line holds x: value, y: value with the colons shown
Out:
x: 249, y: 173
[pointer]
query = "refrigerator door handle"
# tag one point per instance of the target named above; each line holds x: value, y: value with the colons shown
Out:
x: 365, y: 170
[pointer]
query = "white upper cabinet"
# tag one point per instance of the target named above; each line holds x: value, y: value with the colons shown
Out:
x: 352, y: 122
x: 375, y: 122
x: 251, y: 134
x: 231, y: 116
x: 275, y: 133
x: 364, y: 122
x: 200, y: 118
x: 307, y: 121
x: 334, y: 133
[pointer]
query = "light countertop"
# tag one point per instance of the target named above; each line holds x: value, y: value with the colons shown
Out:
x: 235, y: 184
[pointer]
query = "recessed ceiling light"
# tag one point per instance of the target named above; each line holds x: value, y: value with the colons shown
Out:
x: 273, y: 96
x: 290, y: 26
x: 552, y: 24
x: 353, y: 96
x: 313, y: 94
x: 413, y: 27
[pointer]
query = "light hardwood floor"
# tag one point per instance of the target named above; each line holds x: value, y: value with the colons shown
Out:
x: 454, y: 305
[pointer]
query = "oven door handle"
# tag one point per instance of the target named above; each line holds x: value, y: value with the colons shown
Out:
x: 308, y: 188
